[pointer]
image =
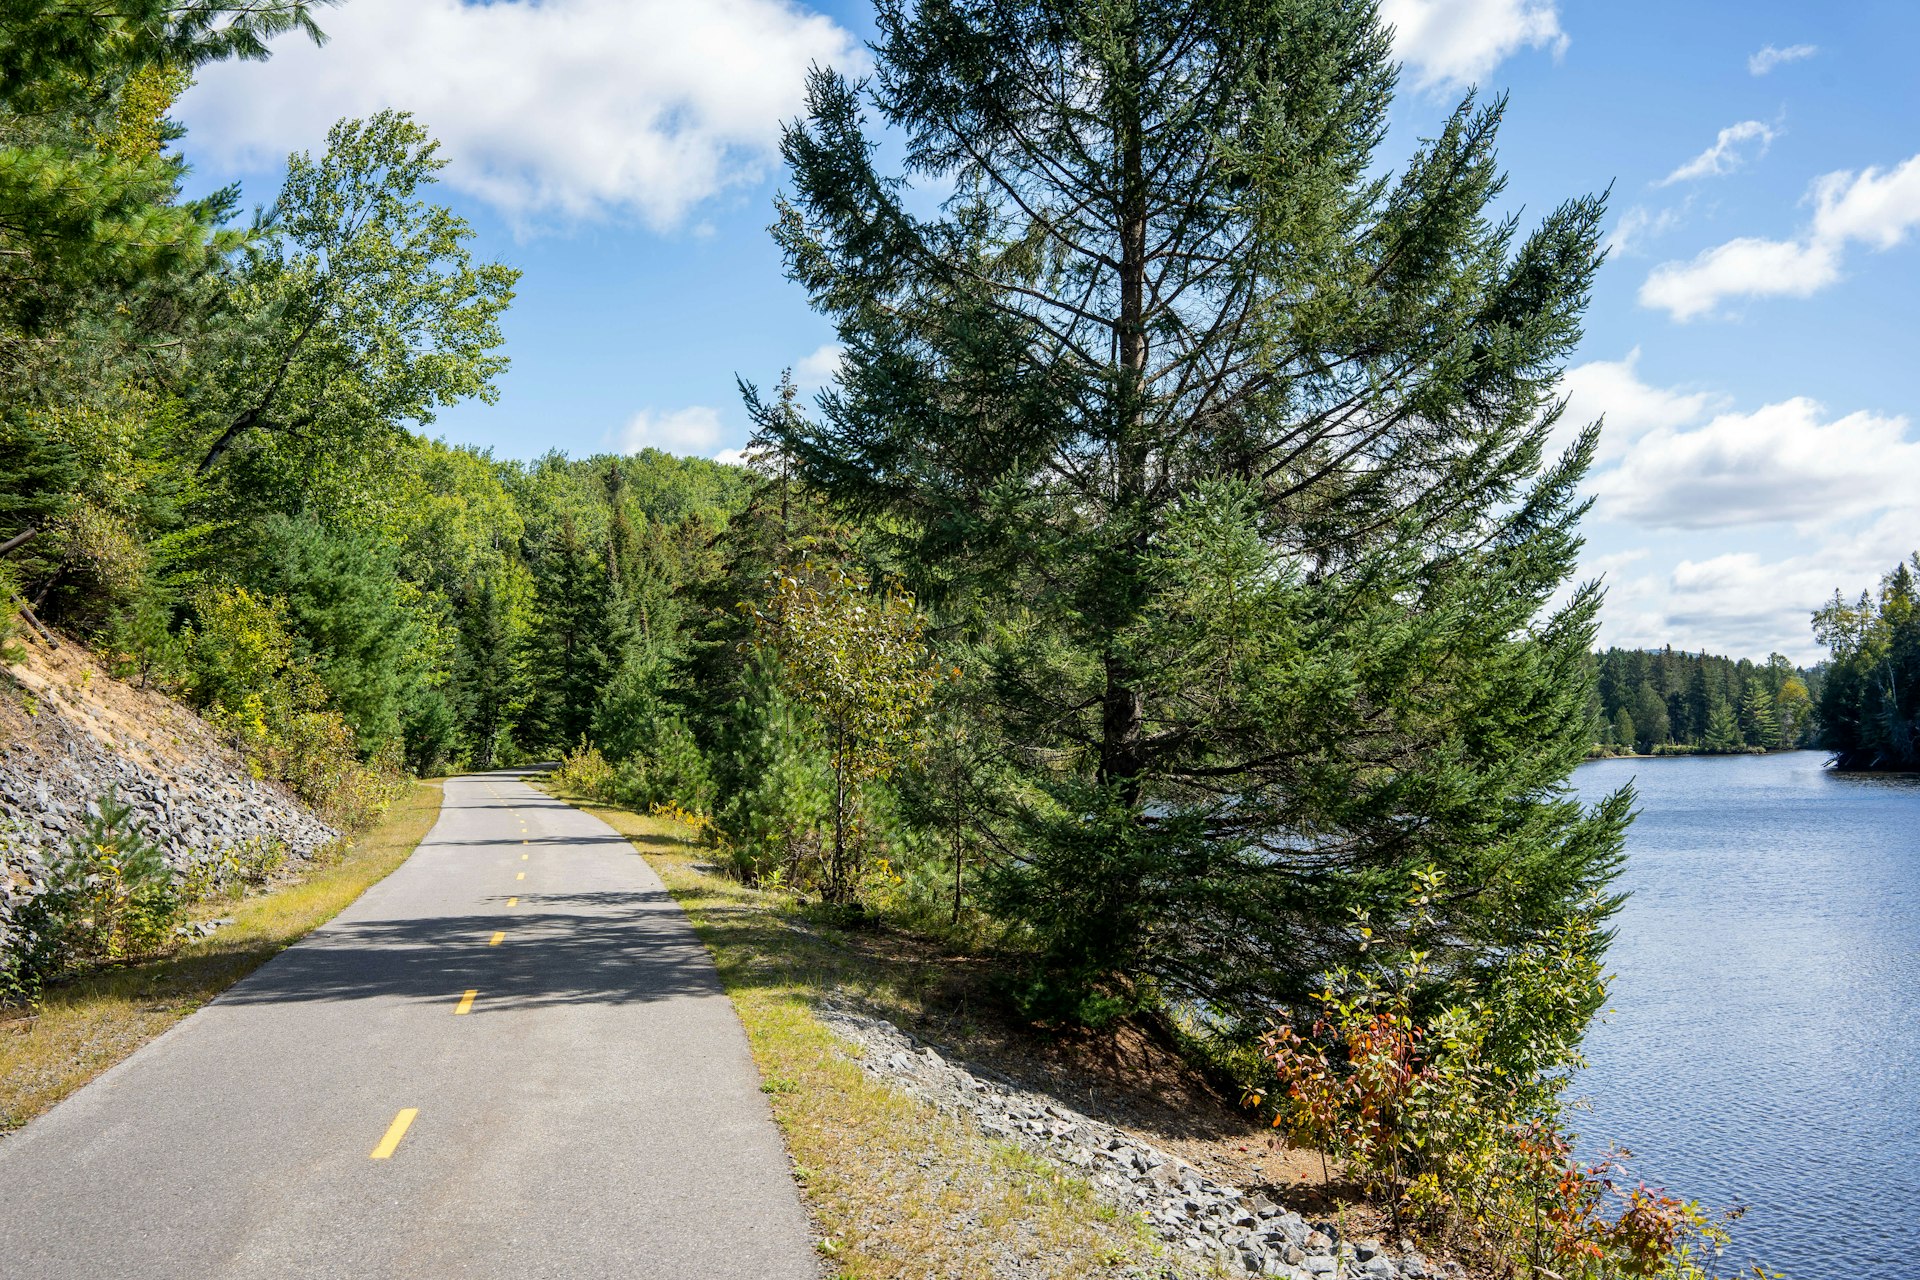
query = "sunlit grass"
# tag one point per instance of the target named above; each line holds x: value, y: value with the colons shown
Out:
x: 85, y: 1026
x: 898, y: 1190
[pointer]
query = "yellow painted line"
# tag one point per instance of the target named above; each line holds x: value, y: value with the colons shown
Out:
x: 395, y: 1131
x: 499, y: 936
x: 520, y: 875
x: 523, y: 857
x: 466, y: 1001
x: 513, y: 902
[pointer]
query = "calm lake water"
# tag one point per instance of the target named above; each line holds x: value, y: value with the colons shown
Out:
x: 1764, y: 1040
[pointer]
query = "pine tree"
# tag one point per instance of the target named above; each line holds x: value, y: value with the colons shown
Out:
x: 1722, y: 736
x: 1650, y: 717
x: 1623, y: 730
x: 572, y: 653
x: 1231, y: 454
x: 1758, y: 719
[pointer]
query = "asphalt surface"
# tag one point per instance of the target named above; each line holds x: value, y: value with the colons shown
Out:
x: 593, y: 1113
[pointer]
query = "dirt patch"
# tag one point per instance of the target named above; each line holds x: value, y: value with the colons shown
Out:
x: 141, y: 723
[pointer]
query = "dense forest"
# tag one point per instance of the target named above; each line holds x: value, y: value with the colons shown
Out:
x: 1659, y: 701
x: 1869, y: 706
x: 1161, y: 600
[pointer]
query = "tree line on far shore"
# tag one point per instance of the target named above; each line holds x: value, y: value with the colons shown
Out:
x: 1661, y: 701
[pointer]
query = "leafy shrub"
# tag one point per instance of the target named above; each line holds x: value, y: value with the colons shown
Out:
x: 23, y: 877
x: 231, y: 870
x: 584, y: 772
x: 675, y: 778
x: 1444, y: 1105
x: 243, y: 672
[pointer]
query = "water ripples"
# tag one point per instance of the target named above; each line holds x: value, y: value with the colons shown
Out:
x: 1764, y: 1040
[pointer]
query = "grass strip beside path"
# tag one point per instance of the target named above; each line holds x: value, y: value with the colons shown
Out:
x: 89, y: 1024
x: 896, y: 1188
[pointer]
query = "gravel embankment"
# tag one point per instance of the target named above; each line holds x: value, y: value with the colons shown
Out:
x: 1244, y: 1233
x: 197, y: 806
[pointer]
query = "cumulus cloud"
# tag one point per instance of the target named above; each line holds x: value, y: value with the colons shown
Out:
x: 1735, y: 146
x: 1743, y: 268
x: 1770, y: 57
x: 1746, y: 603
x: 561, y: 110
x: 1614, y: 390
x: 1785, y: 462
x: 1875, y: 207
x: 1458, y: 42
x: 818, y: 368
x: 1722, y: 529
x: 692, y: 430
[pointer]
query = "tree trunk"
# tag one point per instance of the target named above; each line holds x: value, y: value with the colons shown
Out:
x: 837, y: 873
x: 1123, y: 706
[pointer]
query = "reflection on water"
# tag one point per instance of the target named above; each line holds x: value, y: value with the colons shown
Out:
x: 1764, y: 1043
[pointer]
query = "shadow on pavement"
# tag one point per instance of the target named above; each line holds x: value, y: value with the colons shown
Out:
x: 608, y: 948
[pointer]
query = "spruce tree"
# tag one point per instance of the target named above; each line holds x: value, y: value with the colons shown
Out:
x: 1229, y: 455
x: 1722, y: 734
x: 1758, y: 718
x: 572, y: 646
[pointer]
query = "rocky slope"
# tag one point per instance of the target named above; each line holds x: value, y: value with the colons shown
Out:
x: 1226, y: 1230
x: 70, y: 732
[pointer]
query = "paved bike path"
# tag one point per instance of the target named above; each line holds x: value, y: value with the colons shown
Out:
x: 593, y: 1111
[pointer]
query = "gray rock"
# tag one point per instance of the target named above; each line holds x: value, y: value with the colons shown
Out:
x: 1241, y: 1233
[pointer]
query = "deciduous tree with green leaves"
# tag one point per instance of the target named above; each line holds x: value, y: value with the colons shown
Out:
x: 1231, y: 453
x: 855, y: 656
x: 369, y: 310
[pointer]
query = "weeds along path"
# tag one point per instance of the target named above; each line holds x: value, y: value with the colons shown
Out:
x: 510, y: 1057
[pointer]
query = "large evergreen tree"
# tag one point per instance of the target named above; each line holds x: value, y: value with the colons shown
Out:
x: 1239, y: 448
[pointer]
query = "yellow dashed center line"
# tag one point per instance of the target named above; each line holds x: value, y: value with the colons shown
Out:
x: 513, y: 902
x: 499, y: 935
x: 395, y: 1131
x: 523, y: 857
x: 466, y: 1001
x: 521, y: 875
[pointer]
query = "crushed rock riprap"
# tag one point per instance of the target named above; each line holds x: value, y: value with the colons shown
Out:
x: 194, y: 808
x: 1242, y: 1233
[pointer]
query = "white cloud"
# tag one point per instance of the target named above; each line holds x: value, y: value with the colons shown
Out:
x: 1613, y: 389
x: 1745, y: 603
x: 1748, y: 267
x: 692, y: 430
x: 819, y: 368
x: 1729, y: 151
x: 1873, y: 207
x: 1640, y: 224
x: 557, y: 110
x: 1722, y: 530
x: 1458, y: 42
x: 731, y: 457
x: 1770, y: 57
x: 1876, y: 208
x: 1782, y: 463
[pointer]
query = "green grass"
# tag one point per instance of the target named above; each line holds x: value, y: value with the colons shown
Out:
x: 896, y: 1188
x: 84, y: 1026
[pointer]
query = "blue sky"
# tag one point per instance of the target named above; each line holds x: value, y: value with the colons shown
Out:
x: 1749, y: 341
